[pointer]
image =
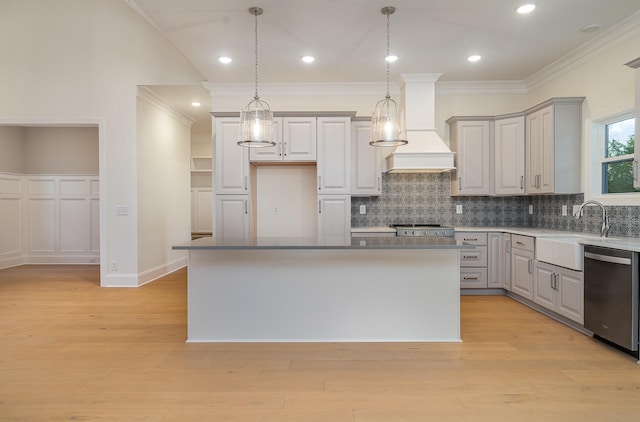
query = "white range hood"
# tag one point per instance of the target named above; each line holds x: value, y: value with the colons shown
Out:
x: 425, y: 152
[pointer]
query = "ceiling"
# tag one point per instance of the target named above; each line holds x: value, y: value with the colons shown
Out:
x: 348, y: 37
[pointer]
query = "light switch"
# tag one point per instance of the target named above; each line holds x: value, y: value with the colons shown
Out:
x: 363, y: 209
x: 122, y: 210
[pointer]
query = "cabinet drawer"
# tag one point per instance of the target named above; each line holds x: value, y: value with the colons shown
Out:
x: 474, y: 257
x: 473, y: 278
x: 526, y: 243
x: 472, y: 238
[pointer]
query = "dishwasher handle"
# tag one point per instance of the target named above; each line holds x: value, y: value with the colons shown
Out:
x: 607, y: 258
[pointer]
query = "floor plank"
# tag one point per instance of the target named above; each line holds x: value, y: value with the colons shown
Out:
x: 70, y: 350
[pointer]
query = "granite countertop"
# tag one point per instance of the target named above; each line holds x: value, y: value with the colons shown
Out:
x: 290, y: 243
x: 624, y: 243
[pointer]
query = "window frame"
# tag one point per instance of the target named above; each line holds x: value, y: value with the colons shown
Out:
x: 596, y: 159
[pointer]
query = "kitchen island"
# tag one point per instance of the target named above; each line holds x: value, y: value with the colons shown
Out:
x: 302, y: 289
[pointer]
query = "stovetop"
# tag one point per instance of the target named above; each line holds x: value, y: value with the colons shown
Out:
x: 422, y: 230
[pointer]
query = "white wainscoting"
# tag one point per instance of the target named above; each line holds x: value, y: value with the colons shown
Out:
x: 49, y: 219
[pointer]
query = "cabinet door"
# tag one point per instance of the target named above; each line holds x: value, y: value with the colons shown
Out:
x: 540, y: 149
x: 232, y: 160
x: 506, y: 263
x: 494, y: 260
x: 543, y: 285
x: 366, y: 164
x: 570, y: 294
x: 274, y: 153
x: 509, y: 156
x: 334, y: 216
x: 471, y: 143
x: 522, y: 272
x: 299, y: 138
x: 232, y: 217
x: 334, y: 155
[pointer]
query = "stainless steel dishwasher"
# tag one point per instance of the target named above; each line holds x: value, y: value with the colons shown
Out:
x: 611, y: 295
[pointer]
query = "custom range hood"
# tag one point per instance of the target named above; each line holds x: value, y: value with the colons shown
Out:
x: 425, y: 152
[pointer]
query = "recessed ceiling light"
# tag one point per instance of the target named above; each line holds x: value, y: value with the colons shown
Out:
x: 308, y: 59
x: 591, y: 28
x: 391, y: 58
x: 526, y: 8
x: 224, y: 59
x: 474, y: 58
x: 196, y: 103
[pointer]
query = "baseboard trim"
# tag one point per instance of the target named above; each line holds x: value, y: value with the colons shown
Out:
x: 62, y: 259
x: 119, y: 280
x: 160, y: 271
x: 15, y: 261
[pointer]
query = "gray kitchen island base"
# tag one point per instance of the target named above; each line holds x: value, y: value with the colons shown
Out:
x: 323, y: 295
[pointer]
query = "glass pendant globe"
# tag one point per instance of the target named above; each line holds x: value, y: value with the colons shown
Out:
x: 387, y: 129
x: 256, y: 125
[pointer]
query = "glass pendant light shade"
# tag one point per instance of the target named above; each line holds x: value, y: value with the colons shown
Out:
x: 256, y: 120
x: 256, y: 125
x: 387, y: 126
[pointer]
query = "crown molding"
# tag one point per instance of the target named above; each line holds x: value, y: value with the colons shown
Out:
x: 157, y: 101
x: 301, y: 89
x: 634, y: 63
x: 610, y: 38
x: 481, y: 88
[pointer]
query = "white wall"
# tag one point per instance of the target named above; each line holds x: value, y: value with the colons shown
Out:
x: 80, y: 61
x: 164, y: 176
x: 286, y: 201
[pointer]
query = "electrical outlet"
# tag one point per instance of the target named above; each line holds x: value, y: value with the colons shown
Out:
x: 363, y: 209
x: 276, y: 211
x: 114, y: 266
x: 458, y: 209
x: 530, y: 209
x: 564, y: 210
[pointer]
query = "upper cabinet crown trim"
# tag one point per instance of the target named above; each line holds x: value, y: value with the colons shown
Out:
x: 350, y: 114
x: 555, y: 100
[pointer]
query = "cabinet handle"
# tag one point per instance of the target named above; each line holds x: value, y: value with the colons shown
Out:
x: 379, y: 183
x: 521, y: 182
x: 470, y: 239
x: 319, y: 207
x: 319, y: 182
x: 469, y: 256
x: 246, y: 206
x: 519, y: 243
x: 469, y: 278
x: 284, y: 149
x: 529, y: 266
x: 246, y: 182
x: 459, y: 183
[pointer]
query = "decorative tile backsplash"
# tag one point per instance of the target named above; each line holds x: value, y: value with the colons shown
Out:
x: 422, y: 198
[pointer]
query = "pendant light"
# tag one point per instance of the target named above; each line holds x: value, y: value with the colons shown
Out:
x: 256, y: 120
x: 387, y: 128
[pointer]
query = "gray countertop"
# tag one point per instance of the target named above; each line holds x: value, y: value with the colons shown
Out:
x: 290, y: 243
x: 624, y: 243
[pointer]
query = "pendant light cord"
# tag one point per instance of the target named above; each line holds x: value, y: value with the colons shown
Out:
x: 388, y: 64
x: 256, y: 34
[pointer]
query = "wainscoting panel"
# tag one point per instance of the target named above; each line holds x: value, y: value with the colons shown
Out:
x: 42, y: 225
x: 49, y: 219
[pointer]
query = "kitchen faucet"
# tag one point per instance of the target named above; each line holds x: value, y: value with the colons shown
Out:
x: 604, y: 231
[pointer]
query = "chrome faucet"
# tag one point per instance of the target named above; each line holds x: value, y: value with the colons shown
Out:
x: 604, y: 231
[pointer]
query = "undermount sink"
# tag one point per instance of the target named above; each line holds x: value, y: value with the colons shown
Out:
x: 564, y: 251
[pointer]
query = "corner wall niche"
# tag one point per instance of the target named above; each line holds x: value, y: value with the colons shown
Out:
x: 49, y: 195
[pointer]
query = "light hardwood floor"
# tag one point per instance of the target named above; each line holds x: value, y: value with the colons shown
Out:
x: 70, y: 350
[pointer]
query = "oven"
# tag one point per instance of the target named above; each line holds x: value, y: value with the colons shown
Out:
x: 423, y: 230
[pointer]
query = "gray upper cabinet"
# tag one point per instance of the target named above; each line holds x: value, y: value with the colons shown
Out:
x: 471, y: 141
x: 553, y: 140
x: 509, y: 156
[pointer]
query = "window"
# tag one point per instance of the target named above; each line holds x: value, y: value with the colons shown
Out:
x: 617, y: 165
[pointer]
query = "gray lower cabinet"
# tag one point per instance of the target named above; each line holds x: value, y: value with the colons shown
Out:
x: 522, y: 257
x: 560, y: 290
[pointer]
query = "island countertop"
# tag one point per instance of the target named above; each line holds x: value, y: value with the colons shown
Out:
x: 422, y: 242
